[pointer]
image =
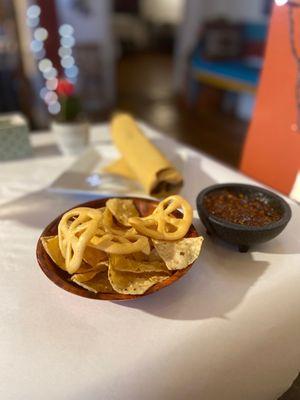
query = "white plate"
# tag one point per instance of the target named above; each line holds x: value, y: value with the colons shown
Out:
x: 85, y: 176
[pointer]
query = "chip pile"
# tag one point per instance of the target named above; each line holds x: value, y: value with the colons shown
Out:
x: 115, y: 250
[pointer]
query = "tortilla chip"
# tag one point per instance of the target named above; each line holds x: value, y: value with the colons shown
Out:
x: 131, y: 283
x: 153, y: 256
x: 51, y: 246
x: 139, y: 256
x: 98, y: 284
x: 127, y: 264
x: 87, y: 272
x: 84, y: 277
x: 84, y: 267
x: 180, y: 254
x: 122, y: 209
x: 94, y: 257
x: 118, y: 244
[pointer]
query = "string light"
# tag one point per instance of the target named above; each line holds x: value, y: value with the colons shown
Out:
x: 44, y: 65
x: 39, y: 55
x: 64, y: 51
x: 51, y: 97
x: 67, y: 62
x: 72, y: 72
x: 33, y: 11
x: 51, y: 84
x: 50, y: 73
x: 32, y: 22
x: 40, y: 34
x: 68, y: 41
x: 33, y: 16
x: 66, y: 30
x: 43, y: 92
x: 54, y: 108
x: 36, y: 46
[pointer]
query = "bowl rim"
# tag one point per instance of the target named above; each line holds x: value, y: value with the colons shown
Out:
x: 79, y: 291
x: 286, y: 215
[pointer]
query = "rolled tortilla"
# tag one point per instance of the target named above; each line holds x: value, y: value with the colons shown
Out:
x: 141, y: 159
x: 120, y: 167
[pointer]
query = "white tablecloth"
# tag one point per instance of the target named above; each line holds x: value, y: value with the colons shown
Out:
x: 230, y: 329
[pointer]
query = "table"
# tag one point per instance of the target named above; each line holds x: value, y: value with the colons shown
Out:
x: 230, y: 329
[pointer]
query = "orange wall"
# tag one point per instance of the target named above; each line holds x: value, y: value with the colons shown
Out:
x: 272, y: 149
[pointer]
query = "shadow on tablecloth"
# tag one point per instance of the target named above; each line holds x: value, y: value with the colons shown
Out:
x: 38, y: 209
x: 217, y: 284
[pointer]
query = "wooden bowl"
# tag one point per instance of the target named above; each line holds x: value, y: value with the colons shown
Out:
x: 62, y: 278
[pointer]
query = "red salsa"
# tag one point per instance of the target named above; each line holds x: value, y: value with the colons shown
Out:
x: 239, y: 208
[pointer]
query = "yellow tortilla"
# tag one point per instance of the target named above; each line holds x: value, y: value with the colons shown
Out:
x: 156, y: 174
x: 130, y: 283
x: 81, y: 278
x: 85, y: 268
x: 94, y: 257
x: 120, y: 167
x: 122, y: 209
x: 127, y: 264
x: 153, y: 256
x: 180, y: 254
x: 99, y: 283
x: 51, y: 246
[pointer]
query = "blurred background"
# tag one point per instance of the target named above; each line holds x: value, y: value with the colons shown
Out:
x: 187, y: 67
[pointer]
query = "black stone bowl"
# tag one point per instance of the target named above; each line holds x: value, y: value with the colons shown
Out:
x: 241, y: 235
